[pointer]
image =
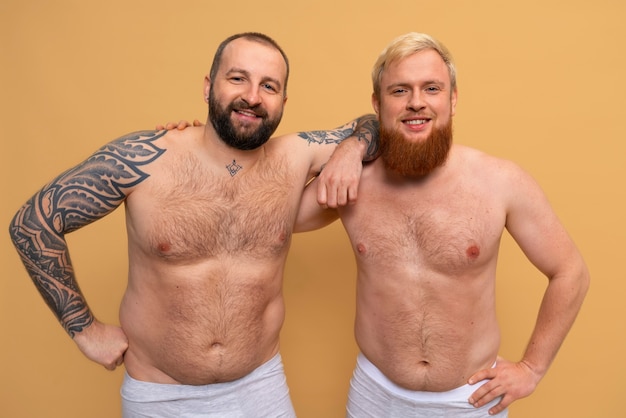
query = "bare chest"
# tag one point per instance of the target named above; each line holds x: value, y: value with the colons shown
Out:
x: 194, y: 214
x: 447, y: 231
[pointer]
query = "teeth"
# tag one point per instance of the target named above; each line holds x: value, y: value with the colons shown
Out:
x: 416, y: 122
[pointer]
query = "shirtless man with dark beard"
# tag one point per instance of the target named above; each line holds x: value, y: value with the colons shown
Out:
x: 209, y: 215
x: 425, y: 231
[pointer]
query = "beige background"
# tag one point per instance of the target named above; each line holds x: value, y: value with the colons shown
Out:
x: 541, y: 83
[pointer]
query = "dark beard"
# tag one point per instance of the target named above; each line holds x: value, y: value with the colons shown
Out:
x: 415, y: 159
x: 220, y: 119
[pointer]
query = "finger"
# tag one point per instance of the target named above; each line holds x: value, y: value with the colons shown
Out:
x: 182, y: 124
x: 501, y: 406
x: 196, y: 122
x: 493, y: 393
x: 476, y: 397
x: 322, y: 196
x: 352, y: 195
x: 342, y: 196
x: 159, y: 127
x: 332, y: 197
x: 482, y: 375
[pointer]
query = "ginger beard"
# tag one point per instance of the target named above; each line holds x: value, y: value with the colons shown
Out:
x: 239, y: 138
x: 415, y: 159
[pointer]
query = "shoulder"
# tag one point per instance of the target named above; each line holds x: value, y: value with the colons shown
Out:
x: 498, y: 176
x: 292, y: 144
x: 128, y: 151
x: 482, y: 162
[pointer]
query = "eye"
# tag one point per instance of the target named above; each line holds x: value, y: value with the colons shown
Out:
x: 432, y: 89
x: 398, y: 91
x: 270, y: 87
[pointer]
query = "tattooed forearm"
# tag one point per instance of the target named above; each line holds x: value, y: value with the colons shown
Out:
x: 328, y: 137
x: 364, y: 128
x: 367, y: 130
x: 76, y: 198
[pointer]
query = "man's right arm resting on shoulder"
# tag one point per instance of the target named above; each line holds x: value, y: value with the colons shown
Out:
x: 344, y: 166
x: 317, y: 207
x: 338, y: 177
x: 78, y: 197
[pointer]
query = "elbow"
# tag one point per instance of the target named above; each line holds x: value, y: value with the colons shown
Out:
x: 585, y: 280
x: 580, y: 282
x: 14, y: 229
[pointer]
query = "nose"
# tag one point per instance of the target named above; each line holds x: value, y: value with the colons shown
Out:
x: 415, y: 102
x: 251, y: 96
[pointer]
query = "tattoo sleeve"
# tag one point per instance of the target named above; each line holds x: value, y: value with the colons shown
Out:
x: 364, y: 128
x: 74, y: 199
x: 367, y: 130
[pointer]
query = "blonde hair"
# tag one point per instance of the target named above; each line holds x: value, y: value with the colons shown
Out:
x: 407, y: 45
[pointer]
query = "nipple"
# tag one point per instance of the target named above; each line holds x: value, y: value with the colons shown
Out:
x: 473, y: 251
x: 164, y: 247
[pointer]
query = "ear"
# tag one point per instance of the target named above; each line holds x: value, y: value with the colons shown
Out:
x: 375, y: 103
x: 453, y: 99
x: 207, y: 88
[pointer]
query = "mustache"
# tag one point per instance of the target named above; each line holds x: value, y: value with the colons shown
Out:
x: 239, y: 105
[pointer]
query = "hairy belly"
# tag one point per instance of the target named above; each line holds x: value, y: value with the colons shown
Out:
x: 427, y: 352
x: 201, y: 337
x: 420, y: 373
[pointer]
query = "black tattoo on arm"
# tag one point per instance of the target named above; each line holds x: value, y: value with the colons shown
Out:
x: 76, y: 198
x: 328, y: 137
x: 364, y: 128
x: 367, y: 130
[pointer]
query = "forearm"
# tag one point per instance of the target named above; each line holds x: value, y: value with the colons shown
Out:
x: 560, y: 306
x: 366, y: 133
x: 362, y: 136
x: 46, y: 258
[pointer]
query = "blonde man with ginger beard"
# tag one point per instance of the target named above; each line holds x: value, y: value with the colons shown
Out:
x: 426, y: 231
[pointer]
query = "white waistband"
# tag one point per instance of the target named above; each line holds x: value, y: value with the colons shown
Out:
x: 462, y: 393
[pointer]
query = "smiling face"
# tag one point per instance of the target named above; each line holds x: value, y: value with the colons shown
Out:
x: 246, y: 95
x: 415, y: 108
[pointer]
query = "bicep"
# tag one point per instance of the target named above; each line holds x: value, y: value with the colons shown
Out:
x: 96, y: 186
x: 536, y: 228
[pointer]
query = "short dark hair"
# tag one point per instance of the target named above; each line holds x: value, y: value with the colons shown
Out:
x: 251, y: 36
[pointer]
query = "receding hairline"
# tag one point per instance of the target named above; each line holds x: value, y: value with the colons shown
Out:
x: 252, y: 37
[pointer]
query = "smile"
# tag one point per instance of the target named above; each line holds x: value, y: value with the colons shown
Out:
x: 416, y: 122
x: 247, y: 113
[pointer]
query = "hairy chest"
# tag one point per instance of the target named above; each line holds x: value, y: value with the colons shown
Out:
x: 448, y: 231
x: 189, y: 212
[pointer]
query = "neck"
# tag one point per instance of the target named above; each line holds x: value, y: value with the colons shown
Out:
x: 234, y: 160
